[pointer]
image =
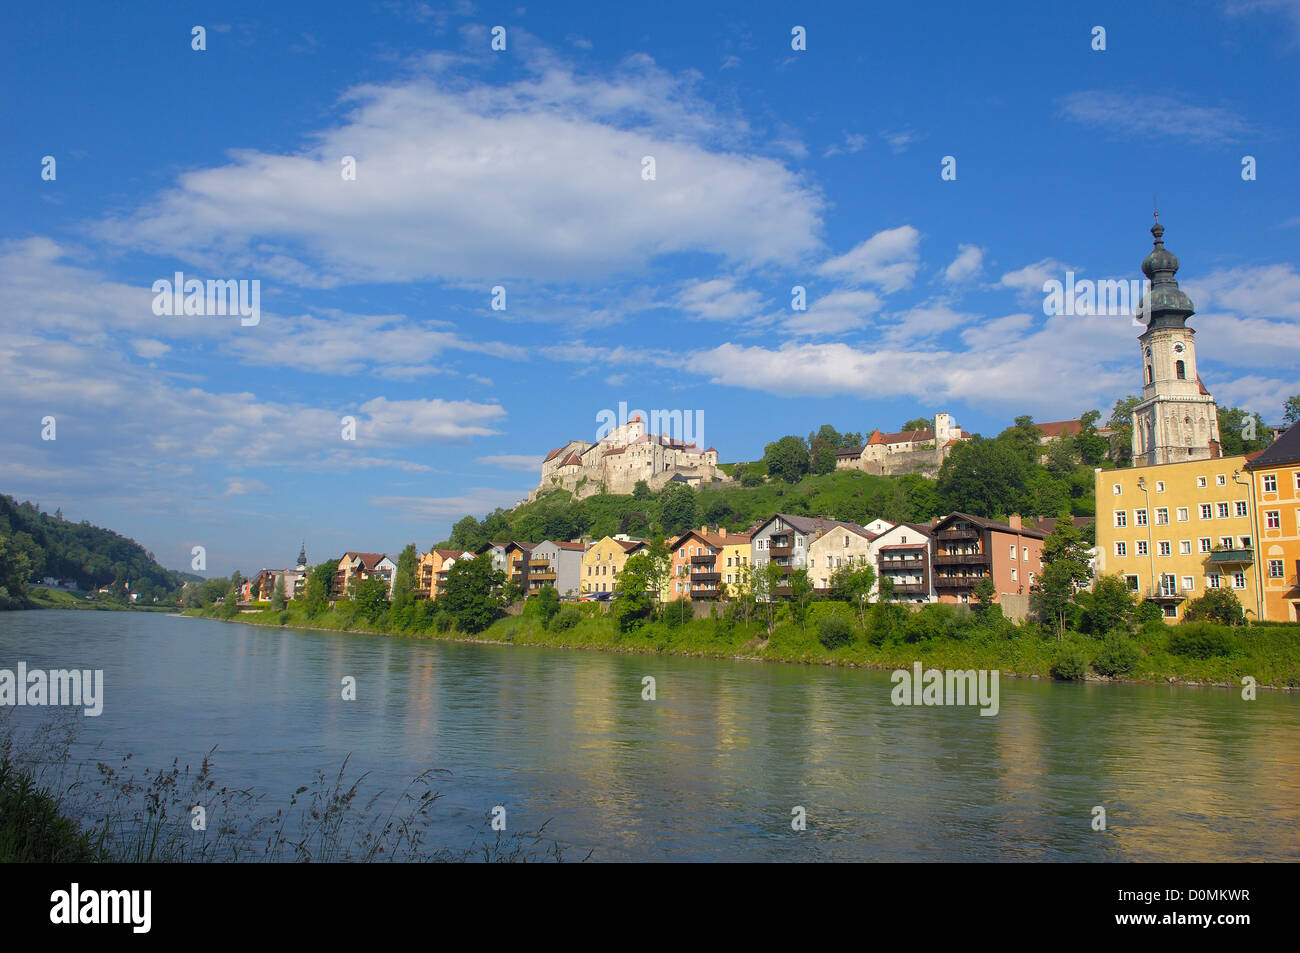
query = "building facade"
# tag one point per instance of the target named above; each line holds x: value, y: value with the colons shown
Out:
x: 1275, y: 492
x: 604, y: 560
x: 909, y: 451
x: 1175, y: 530
x: 968, y: 549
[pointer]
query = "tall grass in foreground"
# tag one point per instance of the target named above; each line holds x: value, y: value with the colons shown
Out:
x: 53, y: 809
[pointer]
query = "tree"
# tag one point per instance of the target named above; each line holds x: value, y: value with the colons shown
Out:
x: 1023, y: 437
x: 1065, y: 570
x: 467, y: 534
x: 635, y: 592
x: 371, y: 597
x: 801, y: 593
x: 405, y: 582
x: 320, y: 583
x: 787, y: 459
x: 1109, y: 606
x: 752, y: 475
x: 984, y: 478
x: 764, y: 581
x: 1091, y: 446
x: 853, y: 584
x: 544, y: 603
x: 1121, y: 421
x: 1242, y: 432
x: 1217, y: 605
x: 676, y: 508
x: 278, y: 597
x: 641, y: 490
x: 472, y: 595
x: 822, y: 459
x: 918, y: 423
x: 1291, y: 410
x: 986, y: 594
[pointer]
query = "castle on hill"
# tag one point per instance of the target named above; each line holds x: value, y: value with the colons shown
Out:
x: 628, y: 454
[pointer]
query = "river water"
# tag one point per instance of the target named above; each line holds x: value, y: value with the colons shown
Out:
x: 712, y: 768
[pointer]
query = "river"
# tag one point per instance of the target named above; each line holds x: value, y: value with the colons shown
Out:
x: 712, y: 768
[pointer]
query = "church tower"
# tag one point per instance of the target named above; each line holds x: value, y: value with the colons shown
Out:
x: 1176, y: 419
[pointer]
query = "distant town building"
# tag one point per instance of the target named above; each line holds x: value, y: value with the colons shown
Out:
x: 909, y: 451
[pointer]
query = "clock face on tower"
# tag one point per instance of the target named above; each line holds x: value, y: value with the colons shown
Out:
x: 1178, y: 348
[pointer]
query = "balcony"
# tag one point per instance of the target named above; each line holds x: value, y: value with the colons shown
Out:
x: 902, y: 565
x: 538, y: 563
x: 910, y: 589
x: 969, y: 532
x: 778, y: 551
x: 705, y: 560
x: 1232, y: 557
x: 707, y: 593
x: 1165, y: 594
x: 960, y: 559
x: 711, y: 577
x: 546, y: 575
x: 957, y: 582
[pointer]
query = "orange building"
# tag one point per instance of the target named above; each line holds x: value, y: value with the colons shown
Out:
x: 968, y: 549
x: 1275, y: 492
x: 697, y: 563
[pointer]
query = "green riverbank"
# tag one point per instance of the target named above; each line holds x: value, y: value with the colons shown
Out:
x: 947, y: 638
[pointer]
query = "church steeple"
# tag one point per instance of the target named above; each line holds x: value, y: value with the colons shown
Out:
x: 1176, y: 418
x: 1165, y: 304
x: 302, y: 556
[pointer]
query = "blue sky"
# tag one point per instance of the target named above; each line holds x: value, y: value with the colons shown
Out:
x: 522, y: 168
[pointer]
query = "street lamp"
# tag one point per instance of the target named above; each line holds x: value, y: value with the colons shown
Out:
x: 1254, y: 538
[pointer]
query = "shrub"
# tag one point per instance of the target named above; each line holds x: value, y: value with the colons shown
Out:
x: 676, y: 613
x: 834, y: 631
x: 1071, y: 662
x: 1217, y: 605
x: 1201, y: 640
x: 443, y: 620
x: 1118, y: 655
x: 566, y: 618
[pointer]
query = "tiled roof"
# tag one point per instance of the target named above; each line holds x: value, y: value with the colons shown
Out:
x: 1058, y: 427
x: 572, y: 547
x: 572, y: 460
x: 849, y: 451
x: 1283, y: 451
x: 1026, y: 530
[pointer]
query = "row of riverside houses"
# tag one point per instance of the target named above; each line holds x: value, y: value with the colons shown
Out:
x: 1186, y: 519
x: 940, y: 561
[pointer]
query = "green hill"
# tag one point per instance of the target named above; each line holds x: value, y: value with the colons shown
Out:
x: 34, y: 545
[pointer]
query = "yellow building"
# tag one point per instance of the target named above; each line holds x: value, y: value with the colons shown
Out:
x: 604, y: 560
x: 1275, y: 474
x: 1177, y: 529
x: 734, y: 554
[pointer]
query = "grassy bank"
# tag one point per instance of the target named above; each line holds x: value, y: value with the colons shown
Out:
x: 40, y: 597
x: 939, y: 637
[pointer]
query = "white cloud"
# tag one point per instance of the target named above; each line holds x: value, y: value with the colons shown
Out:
x: 887, y: 259
x: 470, y: 182
x: 718, y: 299
x: 477, y: 500
x: 1153, y: 116
x: 834, y: 313
x: 968, y: 263
x: 517, y: 462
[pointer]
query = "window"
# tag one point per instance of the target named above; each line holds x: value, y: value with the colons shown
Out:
x: 1031, y: 578
x: 1275, y: 570
x: 1241, y: 508
x: 1185, y: 547
x: 1121, y: 518
x: 1026, y: 552
x: 1163, y: 547
x: 1212, y: 580
x: 1273, y: 519
x: 1225, y: 542
x: 1140, y: 517
x: 1270, y: 482
x: 1238, y: 580
x: 1160, y: 486
x: 1180, y: 370
x: 1142, y: 547
x: 1206, y: 544
x: 1013, y: 550
x: 1121, y: 549
x: 1131, y: 582
x: 1188, y: 584
x: 1200, y: 482
x: 1245, y: 542
x: 1162, y: 516
x: 1220, y: 480
x: 1013, y: 574
x: 1207, y: 511
x: 1116, y: 489
x: 1221, y: 510
x: 1182, y: 514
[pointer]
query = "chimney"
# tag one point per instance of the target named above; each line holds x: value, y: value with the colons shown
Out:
x: 1014, y: 521
x: 722, y: 531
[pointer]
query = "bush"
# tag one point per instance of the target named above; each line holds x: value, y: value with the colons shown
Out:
x: 1118, y: 655
x: 1071, y: 662
x: 1201, y: 640
x: 676, y: 613
x: 565, y: 619
x: 1217, y: 605
x: 834, y: 631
